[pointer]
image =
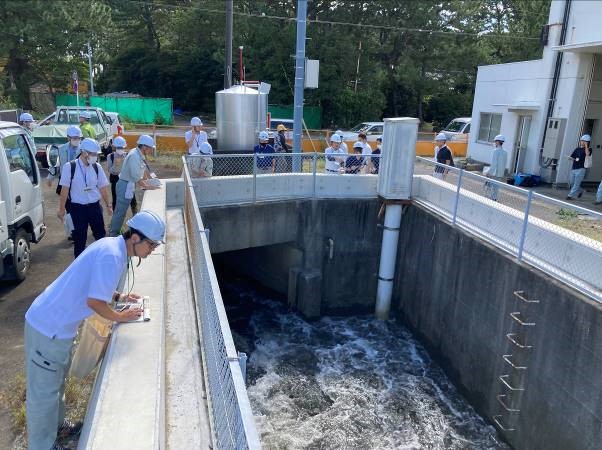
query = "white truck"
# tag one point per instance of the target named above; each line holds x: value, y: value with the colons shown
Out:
x: 21, y: 208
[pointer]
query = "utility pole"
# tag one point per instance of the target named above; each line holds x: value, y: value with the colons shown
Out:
x: 90, y: 67
x: 299, y: 81
x: 228, y: 60
x: 357, y: 69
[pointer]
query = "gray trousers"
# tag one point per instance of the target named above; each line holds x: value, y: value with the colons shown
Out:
x: 121, y: 208
x: 47, y: 363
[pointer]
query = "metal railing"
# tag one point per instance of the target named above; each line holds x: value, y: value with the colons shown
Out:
x: 230, y: 413
x: 562, y: 239
x: 280, y: 163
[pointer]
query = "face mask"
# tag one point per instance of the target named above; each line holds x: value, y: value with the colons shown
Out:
x: 119, y: 152
x: 378, y: 146
x: 92, y: 159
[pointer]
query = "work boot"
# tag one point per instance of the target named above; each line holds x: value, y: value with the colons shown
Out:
x: 68, y: 429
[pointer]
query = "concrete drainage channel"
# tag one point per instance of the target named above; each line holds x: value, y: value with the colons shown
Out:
x: 152, y: 376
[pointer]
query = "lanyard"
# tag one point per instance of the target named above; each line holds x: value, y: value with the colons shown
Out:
x: 145, y: 163
x: 79, y: 164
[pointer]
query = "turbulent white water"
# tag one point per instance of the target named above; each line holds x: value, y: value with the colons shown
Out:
x: 345, y: 383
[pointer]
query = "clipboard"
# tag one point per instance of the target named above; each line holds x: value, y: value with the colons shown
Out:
x: 143, y: 304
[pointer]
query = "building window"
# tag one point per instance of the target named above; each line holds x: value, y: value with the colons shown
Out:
x: 489, y: 126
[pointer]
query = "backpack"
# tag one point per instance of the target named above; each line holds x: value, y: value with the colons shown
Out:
x: 72, y: 164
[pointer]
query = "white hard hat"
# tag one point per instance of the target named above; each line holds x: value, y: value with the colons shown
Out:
x: 85, y: 114
x: 120, y: 142
x: 339, y: 132
x: 89, y: 146
x: 263, y: 136
x: 441, y: 137
x: 25, y: 117
x: 500, y: 137
x: 73, y: 131
x: 196, y: 122
x: 145, y: 139
x: 586, y: 138
x: 336, y: 138
x: 358, y: 144
x: 149, y: 224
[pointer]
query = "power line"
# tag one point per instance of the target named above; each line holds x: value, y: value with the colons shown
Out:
x: 345, y: 24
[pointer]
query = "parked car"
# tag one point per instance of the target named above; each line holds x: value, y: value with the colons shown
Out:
x: 458, y: 129
x: 116, y: 125
x: 372, y: 129
x: 52, y: 130
x: 21, y: 208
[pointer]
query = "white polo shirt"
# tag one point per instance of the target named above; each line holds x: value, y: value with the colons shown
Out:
x: 85, y: 184
x: 333, y: 165
x: 195, y: 147
x: 59, y: 309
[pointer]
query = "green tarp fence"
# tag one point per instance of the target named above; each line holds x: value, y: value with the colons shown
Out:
x: 130, y: 109
x: 311, y: 114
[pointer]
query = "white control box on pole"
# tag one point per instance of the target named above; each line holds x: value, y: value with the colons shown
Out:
x: 397, y: 158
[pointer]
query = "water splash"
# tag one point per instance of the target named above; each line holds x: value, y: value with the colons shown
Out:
x: 345, y: 383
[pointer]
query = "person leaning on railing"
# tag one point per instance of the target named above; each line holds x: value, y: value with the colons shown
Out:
x: 87, y: 286
x: 354, y: 163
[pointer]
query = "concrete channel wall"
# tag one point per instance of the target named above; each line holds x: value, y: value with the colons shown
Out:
x: 457, y: 292
x: 327, y: 249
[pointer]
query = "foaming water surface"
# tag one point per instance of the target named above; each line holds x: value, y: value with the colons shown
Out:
x: 344, y: 383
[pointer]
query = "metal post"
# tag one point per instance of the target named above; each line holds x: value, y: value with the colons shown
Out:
x: 388, y: 256
x: 90, y: 68
x: 242, y: 360
x: 523, y: 234
x: 315, y: 162
x: 457, y: 196
x: 299, y: 81
x: 254, y: 177
x: 228, y: 60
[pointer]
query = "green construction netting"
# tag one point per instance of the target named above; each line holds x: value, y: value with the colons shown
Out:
x: 311, y: 114
x: 130, y: 109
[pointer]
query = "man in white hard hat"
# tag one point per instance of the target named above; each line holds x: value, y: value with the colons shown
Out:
x: 83, y: 182
x: 87, y: 286
x: 334, y: 155
x: 578, y: 168
x: 263, y: 150
x: 26, y: 121
x: 195, y: 136
x: 88, y: 130
x: 443, y: 155
x: 114, y: 162
x: 343, y: 144
x: 497, y: 169
x: 67, y: 152
x: 135, y: 172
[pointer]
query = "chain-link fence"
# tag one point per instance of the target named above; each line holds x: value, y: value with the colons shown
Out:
x: 231, y: 418
x: 560, y: 238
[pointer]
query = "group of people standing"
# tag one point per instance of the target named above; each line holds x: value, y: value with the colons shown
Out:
x: 83, y: 186
x: 364, y: 159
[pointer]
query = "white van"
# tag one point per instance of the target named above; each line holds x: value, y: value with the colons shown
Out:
x: 458, y: 129
x: 21, y: 209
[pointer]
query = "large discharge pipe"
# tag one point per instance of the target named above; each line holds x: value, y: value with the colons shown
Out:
x: 395, y: 187
x: 388, y: 255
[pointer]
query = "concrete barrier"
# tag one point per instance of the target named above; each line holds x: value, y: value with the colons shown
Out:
x: 127, y: 407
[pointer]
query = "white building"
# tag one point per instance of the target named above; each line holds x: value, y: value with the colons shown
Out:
x: 513, y: 99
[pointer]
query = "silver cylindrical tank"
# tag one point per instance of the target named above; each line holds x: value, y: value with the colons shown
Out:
x: 237, y: 111
x: 262, y: 112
